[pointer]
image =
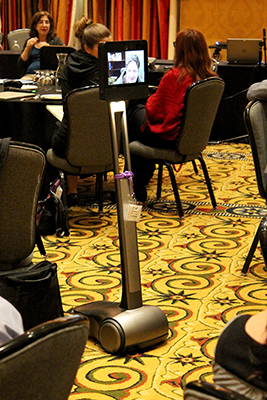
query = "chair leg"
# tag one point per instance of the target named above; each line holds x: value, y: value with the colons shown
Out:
x: 208, y: 182
x: 175, y: 190
x: 251, y: 252
x: 159, y: 185
x: 195, y: 167
x: 263, y: 237
x: 65, y: 229
x: 99, y: 191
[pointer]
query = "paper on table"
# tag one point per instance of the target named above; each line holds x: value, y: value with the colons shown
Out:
x: 23, y: 81
x: 57, y: 111
x: 29, y: 87
x: 14, y: 95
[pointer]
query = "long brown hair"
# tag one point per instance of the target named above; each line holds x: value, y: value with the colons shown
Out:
x: 192, y: 55
x: 36, y: 18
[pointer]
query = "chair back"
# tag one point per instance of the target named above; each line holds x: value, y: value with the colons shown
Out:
x: 255, y: 116
x: 43, y: 362
x: 89, y: 141
x: 201, y: 103
x: 20, y: 35
x: 20, y: 181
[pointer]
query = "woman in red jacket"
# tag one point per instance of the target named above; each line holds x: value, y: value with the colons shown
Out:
x: 157, y: 123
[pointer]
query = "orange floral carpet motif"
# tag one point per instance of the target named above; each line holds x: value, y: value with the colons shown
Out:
x: 190, y: 268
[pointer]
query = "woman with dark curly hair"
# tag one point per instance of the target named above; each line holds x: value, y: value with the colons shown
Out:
x: 42, y: 33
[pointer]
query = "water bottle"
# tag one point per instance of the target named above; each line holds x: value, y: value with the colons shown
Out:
x: 15, y: 46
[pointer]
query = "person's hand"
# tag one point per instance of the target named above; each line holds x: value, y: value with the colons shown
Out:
x: 31, y: 42
x: 41, y: 44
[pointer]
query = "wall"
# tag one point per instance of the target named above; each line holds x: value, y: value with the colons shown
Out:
x: 222, y: 19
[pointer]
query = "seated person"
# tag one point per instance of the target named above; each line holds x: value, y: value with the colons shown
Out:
x: 240, y: 361
x: 130, y: 74
x: 41, y: 34
x: 157, y: 122
x: 81, y: 70
x: 11, y: 324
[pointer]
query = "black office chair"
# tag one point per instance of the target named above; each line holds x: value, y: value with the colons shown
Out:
x: 255, y: 116
x: 201, y: 102
x: 20, y: 182
x: 199, y: 390
x: 43, y: 362
x: 89, y: 149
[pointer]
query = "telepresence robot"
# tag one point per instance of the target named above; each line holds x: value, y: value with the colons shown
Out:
x: 129, y: 325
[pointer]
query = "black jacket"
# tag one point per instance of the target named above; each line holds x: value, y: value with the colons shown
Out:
x: 241, y: 355
x: 81, y: 70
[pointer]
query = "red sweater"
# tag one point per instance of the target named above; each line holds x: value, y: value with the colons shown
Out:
x: 164, y: 109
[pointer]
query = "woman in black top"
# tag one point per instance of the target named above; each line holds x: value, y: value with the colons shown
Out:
x: 81, y: 70
x: 41, y: 34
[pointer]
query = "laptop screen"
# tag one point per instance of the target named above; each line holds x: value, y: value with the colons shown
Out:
x: 48, y: 56
x: 243, y: 51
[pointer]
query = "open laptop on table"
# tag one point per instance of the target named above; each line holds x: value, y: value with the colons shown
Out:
x: 48, y: 56
x: 8, y: 64
x: 243, y: 51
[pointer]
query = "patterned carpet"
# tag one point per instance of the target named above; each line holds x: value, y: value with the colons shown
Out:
x: 190, y: 268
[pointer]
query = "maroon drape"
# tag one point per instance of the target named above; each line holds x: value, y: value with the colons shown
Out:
x: 135, y: 19
x: 127, y: 19
x: 119, y: 20
x: 141, y: 19
x: 163, y: 9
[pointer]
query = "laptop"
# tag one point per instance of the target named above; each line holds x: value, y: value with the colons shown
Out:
x: 48, y: 56
x: 243, y: 51
x: 9, y: 64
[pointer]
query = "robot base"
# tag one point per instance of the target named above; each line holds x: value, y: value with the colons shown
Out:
x: 120, y: 331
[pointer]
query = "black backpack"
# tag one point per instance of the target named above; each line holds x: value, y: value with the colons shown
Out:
x: 52, y: 214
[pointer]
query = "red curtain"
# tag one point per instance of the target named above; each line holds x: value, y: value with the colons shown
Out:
x: 127, y: 19
x: 136, y: 9
x: 163, y: 22
x: 141, y: 19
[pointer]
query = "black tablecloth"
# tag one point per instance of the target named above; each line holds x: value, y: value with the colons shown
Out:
x: 229, y: 123
x: 29, y: 121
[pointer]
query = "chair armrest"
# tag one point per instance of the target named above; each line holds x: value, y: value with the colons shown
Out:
x: 210, y: 389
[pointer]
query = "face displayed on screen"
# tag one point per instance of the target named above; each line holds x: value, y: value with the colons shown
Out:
x: 132, y: 71
x: 126, y: 67
x: 123, y: 70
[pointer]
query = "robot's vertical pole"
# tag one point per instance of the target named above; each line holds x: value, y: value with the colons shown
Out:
x: 131, y: 288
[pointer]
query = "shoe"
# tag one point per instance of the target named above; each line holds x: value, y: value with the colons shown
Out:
x: 72, y: 200
x: 140, y: 194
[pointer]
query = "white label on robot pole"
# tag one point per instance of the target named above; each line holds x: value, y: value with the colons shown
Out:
x: 132, y: 212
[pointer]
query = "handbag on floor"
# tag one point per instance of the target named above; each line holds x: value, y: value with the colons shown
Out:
x: 34, y: 292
